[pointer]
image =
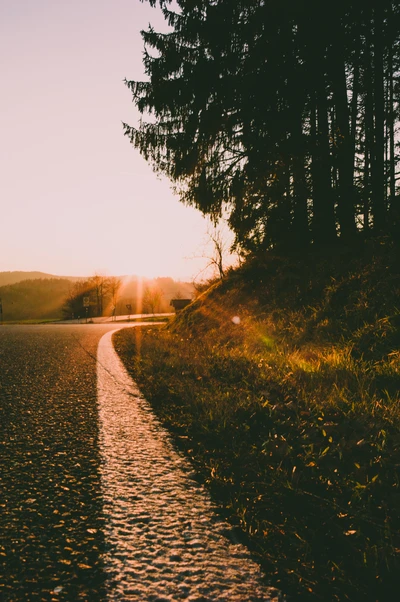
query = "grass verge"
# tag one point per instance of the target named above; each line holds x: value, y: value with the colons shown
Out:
x: 33, y: 321
x: 291, y: 416
x: 147, y: 319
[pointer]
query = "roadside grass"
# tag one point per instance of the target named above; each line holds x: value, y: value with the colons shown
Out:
x: 147, y: 319
x: 33, y: 321
x: 291, y: 417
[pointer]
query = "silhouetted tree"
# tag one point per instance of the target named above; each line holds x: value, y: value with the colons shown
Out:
x: 284, y: 117
x: 152, y: 300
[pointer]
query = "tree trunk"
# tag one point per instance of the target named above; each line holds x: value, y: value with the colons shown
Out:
x: 300, y: 232
x: 345, y: 157
x: 391, y: 124
x: 378, y: 163
x: 368, y: 129
x: 354, y: 102
x: 300, y: 229
x: 335, y: 178
x: 300, y: 194
x: 323, y: 224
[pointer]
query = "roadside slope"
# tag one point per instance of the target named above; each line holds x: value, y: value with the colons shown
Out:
x: 282, y: 385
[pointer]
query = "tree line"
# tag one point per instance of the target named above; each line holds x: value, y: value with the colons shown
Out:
x: 98, y: 293
x: 110, y: 295
x: 284, y: 117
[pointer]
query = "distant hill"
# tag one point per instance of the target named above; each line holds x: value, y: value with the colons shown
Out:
x: 14, y: 277
x: 36, y: 298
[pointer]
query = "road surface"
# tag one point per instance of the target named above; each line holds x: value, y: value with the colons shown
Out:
x: 95, y: 503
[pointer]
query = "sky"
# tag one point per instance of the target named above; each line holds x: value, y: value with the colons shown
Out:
x: 75, y: 196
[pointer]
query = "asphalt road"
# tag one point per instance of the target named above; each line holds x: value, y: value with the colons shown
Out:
x: 51, y: 540
x: 95, y: 502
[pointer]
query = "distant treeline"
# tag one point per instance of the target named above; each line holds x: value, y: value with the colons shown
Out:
x: 57, y: 298
x: 107, y: 296
x: 148, y: 296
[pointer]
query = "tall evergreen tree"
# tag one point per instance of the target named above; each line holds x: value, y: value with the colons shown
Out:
x: 276, y: 116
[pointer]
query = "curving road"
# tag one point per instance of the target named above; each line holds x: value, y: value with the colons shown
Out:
x: 95, y: 503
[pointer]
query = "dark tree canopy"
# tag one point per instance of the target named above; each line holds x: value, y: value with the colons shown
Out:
x: 283, y: 116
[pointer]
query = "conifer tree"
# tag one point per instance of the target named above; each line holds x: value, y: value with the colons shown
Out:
x: 280, y: 118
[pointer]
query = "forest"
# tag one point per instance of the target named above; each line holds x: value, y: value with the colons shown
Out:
x: 282, y: 118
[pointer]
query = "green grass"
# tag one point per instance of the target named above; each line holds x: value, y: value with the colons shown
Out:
x: 291, y: 417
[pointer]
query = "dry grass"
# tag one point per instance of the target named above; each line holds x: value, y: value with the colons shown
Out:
x: 292, y: 419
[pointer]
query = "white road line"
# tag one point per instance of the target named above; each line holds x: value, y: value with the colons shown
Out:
x: 163, y: 539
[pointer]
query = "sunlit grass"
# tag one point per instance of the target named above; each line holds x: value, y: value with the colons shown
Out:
x: 291, y: 416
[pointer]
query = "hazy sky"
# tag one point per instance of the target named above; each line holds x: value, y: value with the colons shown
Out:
x: 75, y: 196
